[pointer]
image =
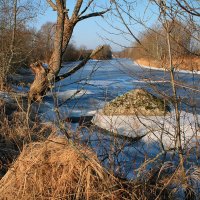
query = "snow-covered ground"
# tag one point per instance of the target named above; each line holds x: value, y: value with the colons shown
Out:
x: 154, y: 141
x: 159, y: 129
x: 163, y: 69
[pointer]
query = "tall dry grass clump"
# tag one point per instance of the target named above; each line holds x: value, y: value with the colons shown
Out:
x: 15, y: 133
x: 57, y: 169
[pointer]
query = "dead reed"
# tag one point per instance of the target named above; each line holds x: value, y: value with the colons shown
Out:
x: 56, y: 169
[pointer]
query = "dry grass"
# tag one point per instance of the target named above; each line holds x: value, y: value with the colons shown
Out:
x: 15, y: 133
x: 184, y: 62
x: 59, y: 169
x: 56, y: 169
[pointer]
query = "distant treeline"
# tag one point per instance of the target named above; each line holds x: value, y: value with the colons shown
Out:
x: 31, y: 45
x: 74, y: 53
x: 22, y: 45
x: 153, y: 43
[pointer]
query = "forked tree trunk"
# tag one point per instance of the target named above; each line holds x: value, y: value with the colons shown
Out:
x: 44, y: 79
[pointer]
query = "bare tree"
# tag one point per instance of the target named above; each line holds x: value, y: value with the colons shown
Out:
x: 64, y: 28
x: 45, y: 41
x: 15, y: 36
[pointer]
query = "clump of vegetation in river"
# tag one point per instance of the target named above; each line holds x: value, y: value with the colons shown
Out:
x: 104, y: 54
x: 138, y: 102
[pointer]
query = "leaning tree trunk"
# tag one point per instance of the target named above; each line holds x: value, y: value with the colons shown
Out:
x: 43, y: 78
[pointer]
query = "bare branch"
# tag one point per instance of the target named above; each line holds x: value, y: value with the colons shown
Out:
x: 85, y: 9
x: 188, y: 9
x: 95, y: 14
x: 80, y: 65
x: 125, y: 24
x: 52, y: 4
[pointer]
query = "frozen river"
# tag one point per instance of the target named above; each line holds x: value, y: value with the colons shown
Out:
x: 101, y: 81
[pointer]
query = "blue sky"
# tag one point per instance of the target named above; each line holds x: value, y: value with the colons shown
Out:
x: 94, y: 31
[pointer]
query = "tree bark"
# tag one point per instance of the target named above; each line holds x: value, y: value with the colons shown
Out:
x: 55, y: 60
x: 39, y: 86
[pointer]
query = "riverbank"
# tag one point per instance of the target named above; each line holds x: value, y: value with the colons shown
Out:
x: 182, y: 64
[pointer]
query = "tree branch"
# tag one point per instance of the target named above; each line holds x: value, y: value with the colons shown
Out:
x: 189, y: 9
x: 125, y: 24
x: 52, y: 4
x: 85, y: 9
x: 95, y: 14
x: 77, y: 8
x: 60, y: 6
x: 80, y: 65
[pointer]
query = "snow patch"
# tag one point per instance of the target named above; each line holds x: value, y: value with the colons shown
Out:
x: 163, y: 69
x: 159, y: 129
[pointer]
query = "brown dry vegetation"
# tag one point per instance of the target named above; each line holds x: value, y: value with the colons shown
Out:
x: 185, y: 63
x: 57, y: 169
x: 15, y: 133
